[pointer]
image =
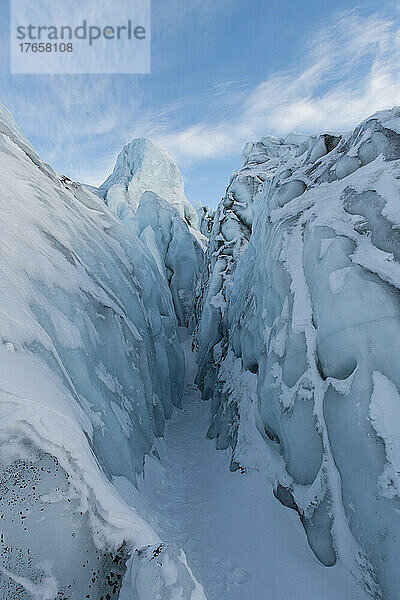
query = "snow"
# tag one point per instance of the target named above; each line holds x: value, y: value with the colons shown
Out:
x: 90, y: 367
x: 146, y: 191
x: 161, y: 572
x: 240, y: 542
x: 172, y: 244
x: 384, y: 412
x: 43, y: 591
x: 147, y: 473
x: 8, y: 124
x: 302, y: 288
x: 144, y: 165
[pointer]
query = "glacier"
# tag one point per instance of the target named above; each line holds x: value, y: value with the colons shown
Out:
x: 301, y: 298
x: 195, y: 403
x: 146, y: 191
x: 91, y: 366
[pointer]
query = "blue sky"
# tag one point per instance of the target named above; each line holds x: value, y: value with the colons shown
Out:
x: 223, y: 72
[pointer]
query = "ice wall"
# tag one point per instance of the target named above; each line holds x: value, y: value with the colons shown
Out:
x: 143, y: 165
x: 300, y: 312
x: 178, y: 253
x: 206, y: 219
x: 90, y: 367
x: 146, y: 191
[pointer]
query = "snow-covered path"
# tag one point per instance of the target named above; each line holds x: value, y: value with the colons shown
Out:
x: 240, y: 542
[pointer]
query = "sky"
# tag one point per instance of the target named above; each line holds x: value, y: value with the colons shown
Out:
x: 224, y: 72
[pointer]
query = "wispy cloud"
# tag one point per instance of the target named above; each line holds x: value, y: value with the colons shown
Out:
x: 67, y: 116
x: 350, y: 69
x: 346, y: 71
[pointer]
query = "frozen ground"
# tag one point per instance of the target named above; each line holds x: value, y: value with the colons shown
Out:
x: 240, y: 542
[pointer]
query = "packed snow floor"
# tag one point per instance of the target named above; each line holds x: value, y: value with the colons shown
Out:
x: 240, y: 542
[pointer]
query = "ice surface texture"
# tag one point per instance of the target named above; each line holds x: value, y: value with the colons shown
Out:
x: 146, y: 190
x: 301, y: 296
x: 90, y: 367
x: 298, y: 339
x: 143, y: 165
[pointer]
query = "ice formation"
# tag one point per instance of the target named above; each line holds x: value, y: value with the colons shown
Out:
x: 108, y: 489
x: 90, y: 368
x: 143, y: 165
x: 302, y: 294
x: 206, y: 219
x: 146, y: 191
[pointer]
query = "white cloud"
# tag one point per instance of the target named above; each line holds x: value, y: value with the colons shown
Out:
x: 349, y: 70
x: 345, y: 72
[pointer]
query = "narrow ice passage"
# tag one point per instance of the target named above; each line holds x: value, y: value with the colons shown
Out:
x: 240, y: 542
x: 296, y: 299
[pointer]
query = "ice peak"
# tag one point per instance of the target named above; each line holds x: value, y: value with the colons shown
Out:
x: 142, y: 153
x: 144, y: 165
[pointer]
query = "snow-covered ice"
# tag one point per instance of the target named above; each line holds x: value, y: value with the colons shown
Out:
x: 146, y: 191
x: 110, y: 482
x: 240, y: 542
x: 143, y: 165
x: 302, y: 289
x: 90, y: 367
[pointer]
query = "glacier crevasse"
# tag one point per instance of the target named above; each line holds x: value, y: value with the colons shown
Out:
x: 90, y: 368
x: 301, y: 291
